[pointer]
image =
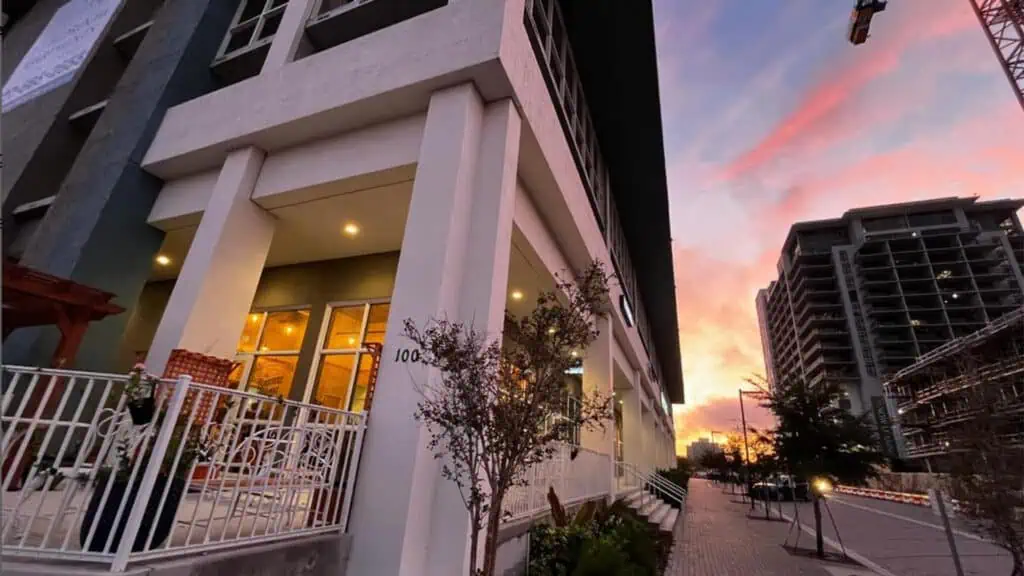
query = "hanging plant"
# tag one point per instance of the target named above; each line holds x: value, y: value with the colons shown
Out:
x: 141, y: 393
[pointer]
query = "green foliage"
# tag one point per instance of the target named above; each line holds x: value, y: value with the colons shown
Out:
x: 816, y: 438
x: 600, y: 540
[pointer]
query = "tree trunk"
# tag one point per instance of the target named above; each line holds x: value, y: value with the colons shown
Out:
x: 491, y: 541
x: 474, y: 540
x: 819, y: 538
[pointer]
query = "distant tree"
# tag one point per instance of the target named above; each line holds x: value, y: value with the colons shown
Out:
x: 764, y: 462
x: 715, y: 463
x: 986, y: 455
x: 817, y: 440
x: 499, y: 407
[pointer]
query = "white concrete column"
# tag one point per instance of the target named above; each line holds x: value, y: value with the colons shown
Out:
x: 214, y: 291
x: 406, y: 520
x: 598, y: 374
x: 632, y: 443
x: 290, y: 38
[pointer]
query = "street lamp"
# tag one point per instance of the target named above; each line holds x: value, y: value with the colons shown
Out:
x: 759, y: 395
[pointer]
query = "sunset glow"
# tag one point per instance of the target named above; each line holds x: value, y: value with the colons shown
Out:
x: 772, y: 117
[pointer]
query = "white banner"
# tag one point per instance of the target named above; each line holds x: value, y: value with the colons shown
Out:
x: 59, y: 51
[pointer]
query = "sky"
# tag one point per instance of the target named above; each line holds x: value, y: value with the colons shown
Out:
x: 772, y: 117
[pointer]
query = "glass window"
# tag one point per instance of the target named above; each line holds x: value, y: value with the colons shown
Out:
x: 362, y: 382
x: 377, y: 323
x: 268, y: 351
x: 254, y: 24
x: 251, y: 332
x: 272, y: 375
x: 346, y: 328
x: 344, y: 375
x: 284, y: 331
x: 333, y: 380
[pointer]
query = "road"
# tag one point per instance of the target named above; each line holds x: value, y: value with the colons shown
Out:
x: 903, y: 539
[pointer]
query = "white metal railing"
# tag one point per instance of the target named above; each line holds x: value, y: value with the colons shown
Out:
x: 586, y: 476
x: 631, y: 476
x: 212, y: 468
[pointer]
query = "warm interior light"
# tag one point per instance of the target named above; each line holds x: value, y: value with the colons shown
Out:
x: 516, y: 295
x: 163, y: 260
x: 573, y: 353
x: 351, y: 229
x: 551, y: 330
x: 288, y: 329
x: 351, y: 340
x: 254, y: 318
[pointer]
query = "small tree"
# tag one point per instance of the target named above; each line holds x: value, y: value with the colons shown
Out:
x: 500, y: 406
x: 817, y: 440
x: 986, y: 460
x: 764, y: 463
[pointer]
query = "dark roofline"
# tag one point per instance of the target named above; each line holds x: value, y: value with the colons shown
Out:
x: 968, y: 202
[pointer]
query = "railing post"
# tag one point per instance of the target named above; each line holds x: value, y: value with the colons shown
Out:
x: 353, y: 469
x: 156, y: 458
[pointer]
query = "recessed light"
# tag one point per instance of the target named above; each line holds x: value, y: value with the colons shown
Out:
x: 163, y: 260
x: 516, y: 295
x: 351, y: 229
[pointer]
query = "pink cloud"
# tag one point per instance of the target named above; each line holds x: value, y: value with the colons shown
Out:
x: 832, y: 109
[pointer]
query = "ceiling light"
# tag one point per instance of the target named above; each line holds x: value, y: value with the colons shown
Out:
x: 551, y: 330
x: 288, y: 329
x: 516, y: 295
x: 163, y: 260
x: 351, y: 230
x: 573, y: 354
x: 351, y: 340
x: 254, y: 318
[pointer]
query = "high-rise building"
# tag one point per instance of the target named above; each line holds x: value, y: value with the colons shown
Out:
x: 699, y: 448
x: 276, y: 186
x: 862, y: 296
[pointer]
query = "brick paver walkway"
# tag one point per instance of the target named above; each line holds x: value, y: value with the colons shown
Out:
x: 717, y: 539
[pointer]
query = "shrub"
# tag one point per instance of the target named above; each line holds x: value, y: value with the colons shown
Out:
x: 598, y: 541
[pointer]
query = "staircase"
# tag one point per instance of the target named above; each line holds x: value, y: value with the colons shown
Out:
x: 653, y: 496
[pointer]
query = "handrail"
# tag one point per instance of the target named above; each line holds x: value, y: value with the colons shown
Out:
x: 660, y: 485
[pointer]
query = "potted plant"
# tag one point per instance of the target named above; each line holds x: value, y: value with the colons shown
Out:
x: 198, y: 447
x: 141, y: 393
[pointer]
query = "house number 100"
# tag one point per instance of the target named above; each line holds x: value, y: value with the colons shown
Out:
x: 406, y: 355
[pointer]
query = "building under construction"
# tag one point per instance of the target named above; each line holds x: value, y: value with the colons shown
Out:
x: 861, y: 297
x: 936, y: 395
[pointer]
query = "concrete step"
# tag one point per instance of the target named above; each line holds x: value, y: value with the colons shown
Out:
x: 668, y: 523
x: 659, y: 513
x: 649, y: 507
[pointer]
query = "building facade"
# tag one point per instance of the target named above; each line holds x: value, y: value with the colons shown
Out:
x: 938, y: 395
x: 699, y: 449
x: 862, y: 296
x: 283, y: 182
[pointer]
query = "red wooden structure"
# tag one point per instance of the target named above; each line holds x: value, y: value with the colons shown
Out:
x: 32, y: 298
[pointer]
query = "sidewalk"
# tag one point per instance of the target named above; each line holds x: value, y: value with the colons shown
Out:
x: 717, y: 539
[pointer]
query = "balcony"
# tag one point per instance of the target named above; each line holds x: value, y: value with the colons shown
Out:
x: 334, y: 22
x: 218, y: 468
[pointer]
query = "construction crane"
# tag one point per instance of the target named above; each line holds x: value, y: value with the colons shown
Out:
x: 1002, y: 21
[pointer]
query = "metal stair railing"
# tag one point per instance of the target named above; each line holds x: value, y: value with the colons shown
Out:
x: 652, y: 482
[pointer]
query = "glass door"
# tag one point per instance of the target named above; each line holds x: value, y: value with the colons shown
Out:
x: 342, y: 371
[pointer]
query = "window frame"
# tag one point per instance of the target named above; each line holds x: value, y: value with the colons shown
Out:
x: 248, y: 359
x: 357, y: 353
x: 257, y: 22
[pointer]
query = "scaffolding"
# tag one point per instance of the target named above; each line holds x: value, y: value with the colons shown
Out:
x: 932, y: 394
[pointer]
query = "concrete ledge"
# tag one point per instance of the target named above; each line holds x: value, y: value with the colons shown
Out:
x: 325, y: 555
